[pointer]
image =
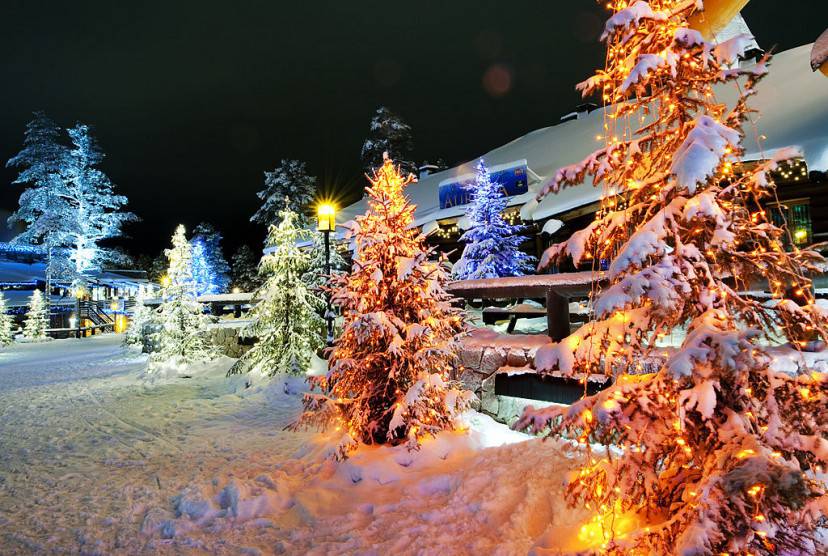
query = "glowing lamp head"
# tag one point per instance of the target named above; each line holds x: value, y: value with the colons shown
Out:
x: 326, y: 217
x: 165, y: 281
x: 79, y: 292
x: 800, y: 235
x: 236, y: 290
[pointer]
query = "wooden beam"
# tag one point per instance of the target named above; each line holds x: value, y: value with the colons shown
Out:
x: 557, y: 316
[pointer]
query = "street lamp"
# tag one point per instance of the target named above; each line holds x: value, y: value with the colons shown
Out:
x: 79, y: 294
x: 326, y: 223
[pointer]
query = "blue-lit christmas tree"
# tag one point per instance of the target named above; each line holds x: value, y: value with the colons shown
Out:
x: 492, y: 244
x: 211, y: 273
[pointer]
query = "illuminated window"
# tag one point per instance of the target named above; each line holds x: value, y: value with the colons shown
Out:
x: 796, y: 214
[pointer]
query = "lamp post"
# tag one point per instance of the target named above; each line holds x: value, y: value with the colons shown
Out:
x: 79, y: 293
x: 326, y: 223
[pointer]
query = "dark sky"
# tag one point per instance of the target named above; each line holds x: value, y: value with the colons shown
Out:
x: 193, y: 100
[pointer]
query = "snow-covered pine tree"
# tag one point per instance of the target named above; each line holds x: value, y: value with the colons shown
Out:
x: 96, y: 212
x: 215, y: 264
x: 244, y: 269
x: 203, y: 276
x: 141, y: 317
x: 6, y: 323
x: 718, y: 453
x: 388, y: 134
x: 389, y: 378
x: 316, y: 277
x: 36, y: 320
x: 285, y: 319
x: 492, y: 245
x: 289, y: 179
x: 183, y: 324
x: 42, y: 207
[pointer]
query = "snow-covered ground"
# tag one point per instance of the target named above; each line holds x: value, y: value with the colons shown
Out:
x: 94, y: 460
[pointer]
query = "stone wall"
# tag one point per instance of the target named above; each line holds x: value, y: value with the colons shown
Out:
x: 483, y: 352
x: 226, y: 338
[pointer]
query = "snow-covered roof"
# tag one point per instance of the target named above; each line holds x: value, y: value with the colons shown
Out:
x: 241, y: 297
x: 793, y: 111
x: 13, y: 272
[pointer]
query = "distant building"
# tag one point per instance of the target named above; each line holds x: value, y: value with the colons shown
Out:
x: 792, y: 103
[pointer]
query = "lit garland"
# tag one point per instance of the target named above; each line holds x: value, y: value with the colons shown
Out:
x: 714, y: 443
x: 390, y: 370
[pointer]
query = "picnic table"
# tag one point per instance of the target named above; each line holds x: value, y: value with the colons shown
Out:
x: 556, y: 289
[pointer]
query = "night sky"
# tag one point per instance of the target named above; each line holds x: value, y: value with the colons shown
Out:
x: 192, y: 101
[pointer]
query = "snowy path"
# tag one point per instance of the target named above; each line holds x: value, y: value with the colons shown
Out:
x: 93, y: 461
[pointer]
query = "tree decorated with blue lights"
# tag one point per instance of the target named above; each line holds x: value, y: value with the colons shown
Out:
x: 492, y: 244
x: 95, y: 211
x: 182, y: 337
x: 285, y: 317
x: 6, y: 323
x: 210, y: 269
x: 40, y: 161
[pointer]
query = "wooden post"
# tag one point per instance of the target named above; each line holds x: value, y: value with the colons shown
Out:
x: 557, y: 315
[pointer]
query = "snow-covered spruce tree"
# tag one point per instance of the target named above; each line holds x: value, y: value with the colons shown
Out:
x: 492, y: 245
x: 142, y: 316
x: 42, y: 207
x: 388, y: 134
x: 719, y: 453
x: 183, y: 324
x: 216, y: 268
x: 36, y: 320
x: 244, y: 269
x: 285, y: 319
x: 289, y: 179
x: 316, y: 277
x: 6, y: 323
x: 203, y: 276
x: 389, y: 371
x: 96, y: 212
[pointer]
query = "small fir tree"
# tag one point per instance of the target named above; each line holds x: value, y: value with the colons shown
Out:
x: 216, y: 271
x: 389, y: 378
x: 183, y: 324
x: 285, y: 317
x: 245, y: 273
x: 316, y: 276
x: 492, y: 244
x: 6, y: 323
x: 142, y: 317
x: 289, y: 179
x: 37, y: 319
x: 717, y: 451
x: 388, y: 134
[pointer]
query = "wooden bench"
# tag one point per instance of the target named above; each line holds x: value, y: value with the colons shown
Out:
x: 556, y: 289
x: 514, y: 313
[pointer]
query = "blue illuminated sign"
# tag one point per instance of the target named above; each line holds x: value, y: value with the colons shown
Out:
x: 511, y: 178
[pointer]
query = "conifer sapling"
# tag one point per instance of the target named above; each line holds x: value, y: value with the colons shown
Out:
x: 36, y: 320
x: 389, y: 378
x: 285, y: 319
x: 492, y: 244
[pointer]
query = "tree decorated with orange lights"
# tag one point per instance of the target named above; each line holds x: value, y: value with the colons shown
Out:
x: 718, y: 452
x: 389, y: 378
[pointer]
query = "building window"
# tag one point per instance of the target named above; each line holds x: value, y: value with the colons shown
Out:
x: 796, y: 214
